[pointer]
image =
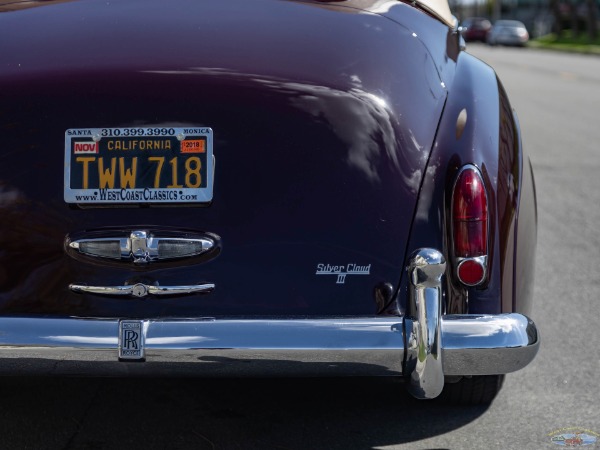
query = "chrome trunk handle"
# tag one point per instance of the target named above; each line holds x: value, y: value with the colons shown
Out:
x: 140, y: 290
x: 142, y: 246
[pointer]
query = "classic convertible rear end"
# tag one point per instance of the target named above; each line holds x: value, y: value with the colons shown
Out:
x: 260, y: 187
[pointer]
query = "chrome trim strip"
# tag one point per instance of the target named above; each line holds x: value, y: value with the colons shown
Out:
x: 370, y: 346
x: 140, y: 290
x: 423, y: 326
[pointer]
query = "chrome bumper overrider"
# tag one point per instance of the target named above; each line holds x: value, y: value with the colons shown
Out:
x: 424, y: 346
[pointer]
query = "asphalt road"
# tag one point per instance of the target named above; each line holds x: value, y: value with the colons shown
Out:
x: 558, y: 100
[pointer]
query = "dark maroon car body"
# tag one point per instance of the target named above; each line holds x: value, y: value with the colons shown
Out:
x: 336, y: 142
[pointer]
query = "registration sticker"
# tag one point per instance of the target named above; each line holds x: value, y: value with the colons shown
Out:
x: 140, y: 165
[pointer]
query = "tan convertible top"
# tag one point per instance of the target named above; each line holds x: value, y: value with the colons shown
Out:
x: 440, y: 9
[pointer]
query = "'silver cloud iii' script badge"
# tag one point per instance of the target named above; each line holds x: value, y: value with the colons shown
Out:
x: 341, y: 272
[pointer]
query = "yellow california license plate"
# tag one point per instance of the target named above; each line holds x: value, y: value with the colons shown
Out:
x: 138, y: 165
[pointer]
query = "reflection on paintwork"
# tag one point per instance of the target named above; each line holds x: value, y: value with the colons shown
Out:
x: 34, y: 227
x: 356, y: 116
x: 9, y: 196
x: 82, y: 340
x: 426, y: 197
x: 177, y: 340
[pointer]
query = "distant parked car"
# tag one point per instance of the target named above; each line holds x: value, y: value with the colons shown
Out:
x: 508, y: 32
x: 476, y: 29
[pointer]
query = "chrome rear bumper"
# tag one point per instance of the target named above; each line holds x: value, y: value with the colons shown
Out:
x: 476, y: 345
x: 423, y: 348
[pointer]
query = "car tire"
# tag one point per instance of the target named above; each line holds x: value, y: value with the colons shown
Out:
x: 475, y: 390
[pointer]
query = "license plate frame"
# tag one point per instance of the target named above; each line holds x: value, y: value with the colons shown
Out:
x: 138, y: 165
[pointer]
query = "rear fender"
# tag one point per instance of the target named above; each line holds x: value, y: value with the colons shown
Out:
x: 477, y: 127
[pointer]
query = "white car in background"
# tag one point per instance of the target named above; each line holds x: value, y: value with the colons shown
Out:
x: 508, y: 32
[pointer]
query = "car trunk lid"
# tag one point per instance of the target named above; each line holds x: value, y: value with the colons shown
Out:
x: 318, y: 158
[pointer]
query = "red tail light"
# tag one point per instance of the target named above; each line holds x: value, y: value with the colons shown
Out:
x: 470, y: 226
